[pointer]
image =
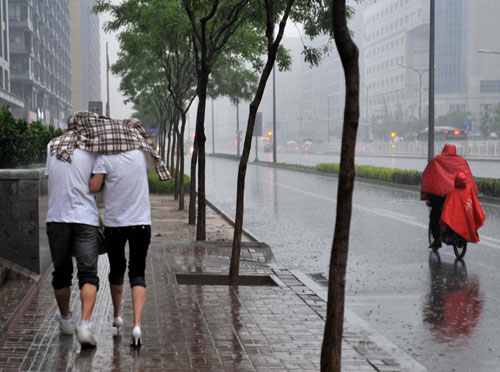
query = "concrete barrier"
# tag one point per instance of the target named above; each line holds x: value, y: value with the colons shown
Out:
x: 23, y: 210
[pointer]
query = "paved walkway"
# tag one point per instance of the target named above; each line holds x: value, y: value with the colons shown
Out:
x: 190, y: 327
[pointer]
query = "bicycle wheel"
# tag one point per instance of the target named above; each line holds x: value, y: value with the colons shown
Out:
x: 460, y: 247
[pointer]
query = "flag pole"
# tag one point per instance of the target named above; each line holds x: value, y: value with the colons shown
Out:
x: 107, y: 82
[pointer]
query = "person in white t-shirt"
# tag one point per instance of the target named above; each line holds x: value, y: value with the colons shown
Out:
x: 126, y: 218
x: 72, y: 223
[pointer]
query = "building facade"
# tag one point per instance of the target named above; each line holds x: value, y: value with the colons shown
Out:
x: 6, y: 97
x: 85, y: 54
x: 397, y: 58
x: 40, y: 62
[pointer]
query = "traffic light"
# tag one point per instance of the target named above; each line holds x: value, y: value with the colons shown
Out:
x: 393, y: 138
x: 270, y: 133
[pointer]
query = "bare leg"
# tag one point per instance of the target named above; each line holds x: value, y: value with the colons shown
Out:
x: 62, y: 297
x: 138, y: 298
x: 116, y: 297
x: 88, y: 294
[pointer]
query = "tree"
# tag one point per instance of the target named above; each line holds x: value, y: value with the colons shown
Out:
x: 215, y: 27
x: 273, y: 44
x: 22, y: 143
x: 233, y: 80
x: 331, y: 351
x: 484, y: 124
x: 495, y: 121
x: 453, y: 119
x: 146, y: 112
x: 158, y: 55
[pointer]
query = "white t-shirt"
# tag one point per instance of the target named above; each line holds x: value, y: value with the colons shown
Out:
x: 126, y: 190
x: 70, y: 199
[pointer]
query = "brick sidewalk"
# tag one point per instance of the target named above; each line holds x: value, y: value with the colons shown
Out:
x: 188, y: 327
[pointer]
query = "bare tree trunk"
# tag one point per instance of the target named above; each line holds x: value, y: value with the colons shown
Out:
x: 331, y: 351
x: 192, y: 186
x: 160, y: 134
x: 172, y: 151
x: 181, y: 167
x: 272, y: 50
x: 177, y: 162
x: 201, y: 91
x: 161, y: 139
x: 169, y: 139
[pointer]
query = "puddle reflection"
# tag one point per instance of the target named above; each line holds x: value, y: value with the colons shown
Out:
x: 454, y: 303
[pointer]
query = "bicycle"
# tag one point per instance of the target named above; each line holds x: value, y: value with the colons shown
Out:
x: 450, y: 237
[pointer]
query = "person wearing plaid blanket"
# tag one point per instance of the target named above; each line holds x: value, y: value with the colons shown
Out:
x: 72, y: 223
x: 123, y: 179
x: 121, y: 146
x: 120, y: 171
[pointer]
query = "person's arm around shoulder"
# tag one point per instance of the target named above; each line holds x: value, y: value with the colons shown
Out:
x: 96, y: 183
x: 99, y: 171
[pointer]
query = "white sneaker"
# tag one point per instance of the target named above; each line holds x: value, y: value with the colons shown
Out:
x: 66, y: 324
x: 85, y: 335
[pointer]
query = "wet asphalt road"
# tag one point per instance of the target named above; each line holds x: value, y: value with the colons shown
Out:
x: 440, y: 312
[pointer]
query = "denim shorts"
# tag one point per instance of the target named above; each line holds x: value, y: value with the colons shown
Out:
x: 73, y: 239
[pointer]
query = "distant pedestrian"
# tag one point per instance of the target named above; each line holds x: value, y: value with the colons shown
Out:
x: 438, y: 179
x: 72, y: 223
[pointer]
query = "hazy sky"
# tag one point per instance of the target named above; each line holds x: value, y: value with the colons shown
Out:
x: 119, y: 110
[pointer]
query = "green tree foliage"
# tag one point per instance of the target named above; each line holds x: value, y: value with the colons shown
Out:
x: 490, y: 123
x: 145, y: 111
x: 453, y: 119
x: 495, y: 121
x: 22, y: 143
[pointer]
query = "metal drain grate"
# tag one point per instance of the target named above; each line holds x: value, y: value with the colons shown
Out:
x: 218, y: 279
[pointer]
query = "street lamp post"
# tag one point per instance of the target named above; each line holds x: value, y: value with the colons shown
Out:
x: 328, y: 138
x: 369, y: 127
x: 237, y: 128
x: 432, y: 28
x: 274, y: 113
x: 213, y: 128
x: 420, y: 73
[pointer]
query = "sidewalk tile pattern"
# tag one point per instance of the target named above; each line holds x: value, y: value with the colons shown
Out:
x: 185, y: 327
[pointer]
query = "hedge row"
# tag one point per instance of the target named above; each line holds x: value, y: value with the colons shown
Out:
x: 164, y: 187
x: 21, y: 143
x: 487, y: 186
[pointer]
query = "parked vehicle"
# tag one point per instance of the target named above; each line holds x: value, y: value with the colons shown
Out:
x: 443, y: 133
x: 292, y: 147
x: 307, y: 147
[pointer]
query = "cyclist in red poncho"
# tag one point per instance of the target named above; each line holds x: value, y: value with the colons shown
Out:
x: 438, y: 179
x: 462, y: 212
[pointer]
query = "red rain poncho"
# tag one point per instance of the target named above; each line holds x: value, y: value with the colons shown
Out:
x: 462, y: 211
x: 439, y: 174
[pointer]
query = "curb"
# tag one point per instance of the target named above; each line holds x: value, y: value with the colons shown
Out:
x: 266, y: 249
x: 22, y: 306
x: 361, y: 327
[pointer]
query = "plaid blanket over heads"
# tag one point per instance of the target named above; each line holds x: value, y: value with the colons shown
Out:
x: 101, y: 135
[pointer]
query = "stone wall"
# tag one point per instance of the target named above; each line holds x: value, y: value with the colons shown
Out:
x: 23, y: 209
